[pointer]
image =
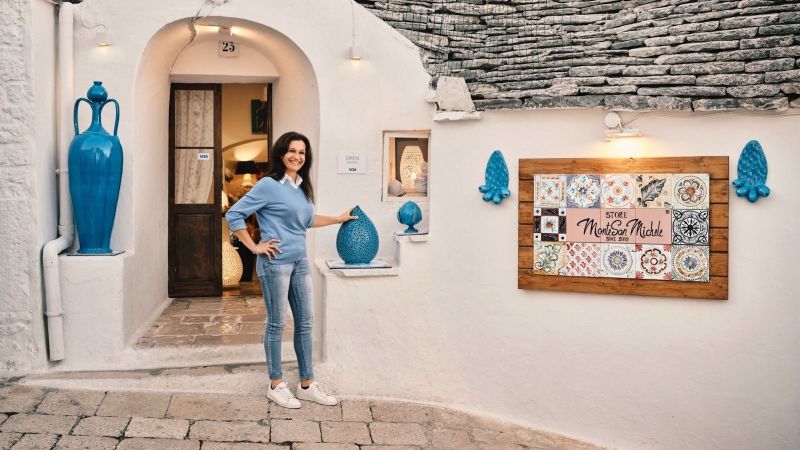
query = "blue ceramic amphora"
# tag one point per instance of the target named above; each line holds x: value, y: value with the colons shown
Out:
x: 409, y: 214
x: 95, y: 172
x: 357, y: 239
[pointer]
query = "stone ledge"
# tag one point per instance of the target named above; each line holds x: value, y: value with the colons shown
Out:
x: 326, y: 271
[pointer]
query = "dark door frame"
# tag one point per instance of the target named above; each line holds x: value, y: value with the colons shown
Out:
x: 208, y: 283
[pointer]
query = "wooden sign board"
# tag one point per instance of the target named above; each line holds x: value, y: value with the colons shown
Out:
x: 575, y: 213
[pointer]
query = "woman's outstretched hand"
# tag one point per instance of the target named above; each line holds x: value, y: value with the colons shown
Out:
x: 269, y: 248
x: 346, y: 216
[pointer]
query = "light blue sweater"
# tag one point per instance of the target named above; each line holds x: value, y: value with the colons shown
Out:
x: 283, y: 212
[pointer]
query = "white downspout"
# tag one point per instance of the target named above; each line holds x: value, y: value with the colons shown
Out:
x: 66, y: 228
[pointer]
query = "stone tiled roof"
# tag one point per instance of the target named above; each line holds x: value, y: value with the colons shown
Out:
x: 624, y: 55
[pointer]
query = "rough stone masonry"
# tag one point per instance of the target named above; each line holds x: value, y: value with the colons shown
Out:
x: 622, y: 55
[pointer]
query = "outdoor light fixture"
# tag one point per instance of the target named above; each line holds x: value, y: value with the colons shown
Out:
x: 355, y: 52
x: 615, y: 130
x: 225, y: 32
x: 411, y: 167
x: 103, y: 38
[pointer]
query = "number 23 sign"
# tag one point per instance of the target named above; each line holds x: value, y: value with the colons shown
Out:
x: 228, y: 48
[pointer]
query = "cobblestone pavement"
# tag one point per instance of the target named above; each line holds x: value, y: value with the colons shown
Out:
x: 42, y: 418
x: 211, y: 321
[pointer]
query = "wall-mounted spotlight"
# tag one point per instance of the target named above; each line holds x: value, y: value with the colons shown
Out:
x: 356, y: 52
x: 615, y: 130
x: 103, y: 38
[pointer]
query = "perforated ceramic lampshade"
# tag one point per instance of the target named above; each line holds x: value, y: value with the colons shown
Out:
x: 411, y: 167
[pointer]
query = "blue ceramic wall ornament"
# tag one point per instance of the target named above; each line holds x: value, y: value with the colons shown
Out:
x: 752, y: 170
x: 409, y: 214
x: 496, y: 187
x: 357, y: 239
x: 95, y: 171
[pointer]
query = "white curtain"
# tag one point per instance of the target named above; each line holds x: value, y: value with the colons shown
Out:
x: 194, y: 127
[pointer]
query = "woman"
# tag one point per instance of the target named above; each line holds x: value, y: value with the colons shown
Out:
x: 283, y: 202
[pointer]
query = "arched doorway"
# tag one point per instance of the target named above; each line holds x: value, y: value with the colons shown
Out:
x: 265, y: 58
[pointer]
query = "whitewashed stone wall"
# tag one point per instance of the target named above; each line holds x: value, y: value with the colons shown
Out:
x: 20, y: 310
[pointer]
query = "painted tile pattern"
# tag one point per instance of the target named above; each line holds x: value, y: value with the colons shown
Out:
x: 648, y: 226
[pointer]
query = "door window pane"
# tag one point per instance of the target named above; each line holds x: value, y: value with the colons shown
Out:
x: 194, y: 118
x: 194, y: 176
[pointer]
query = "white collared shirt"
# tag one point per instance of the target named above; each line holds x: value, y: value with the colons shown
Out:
x: 292, y: 182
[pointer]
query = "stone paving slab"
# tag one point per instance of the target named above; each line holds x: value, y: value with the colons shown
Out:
x: 389, y: 447
x: 398, y: 433
x: 311, y: 446
x: 8, y: 439
x: 139, y: 404
x: 86, y: 443
x: 39, y: 423
x: 309, y: 411
x: 294, y: 431
x: 71, y: 403
x: 345, y: 432
x: 218, y: 407
x: 2, y: 418
x: 401, y: 412
x: 157, y: 428
x: 101, y: 426
x: 157, y: 444
x: 210, y: 445
x: 356, y: 411
x: 236, y: 431
x: 19, y: 399
x: 446, y: 438
x: 35, y: 442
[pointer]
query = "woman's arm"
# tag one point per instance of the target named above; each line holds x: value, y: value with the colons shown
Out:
x: 324, y: 221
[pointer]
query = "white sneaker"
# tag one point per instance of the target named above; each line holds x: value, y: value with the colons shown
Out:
x: 283, y: 396
x: 315, y: 394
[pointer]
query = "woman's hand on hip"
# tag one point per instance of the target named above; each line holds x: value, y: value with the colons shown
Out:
x: 269, y: 248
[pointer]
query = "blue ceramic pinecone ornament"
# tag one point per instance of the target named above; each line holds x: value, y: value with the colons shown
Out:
x: 357, y: 240
x: 95, y: 171
x: 409, y: 214
x: 752, y: 170
x: 496, y: 187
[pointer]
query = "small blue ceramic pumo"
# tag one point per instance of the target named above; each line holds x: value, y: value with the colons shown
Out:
x: 752, y: 171
x: 409, y: 214
x: 357, y: 239
x: 496, y: 187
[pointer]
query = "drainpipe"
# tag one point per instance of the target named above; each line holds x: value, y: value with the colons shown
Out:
x: 66, y: 228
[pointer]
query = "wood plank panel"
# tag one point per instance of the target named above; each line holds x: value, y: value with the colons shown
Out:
x: 716, y: 289
x: 719, y: 196
x: 715, y: 166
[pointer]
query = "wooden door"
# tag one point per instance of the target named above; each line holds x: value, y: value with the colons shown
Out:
x: 195, y: 184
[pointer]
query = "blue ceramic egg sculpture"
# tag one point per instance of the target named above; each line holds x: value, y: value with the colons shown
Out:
x: 409, y: 214
x: 357, y: 240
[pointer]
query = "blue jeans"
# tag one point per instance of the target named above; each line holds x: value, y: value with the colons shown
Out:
x: 281, y: 284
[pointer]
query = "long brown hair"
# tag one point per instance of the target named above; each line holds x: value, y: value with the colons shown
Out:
x: 277, y: 170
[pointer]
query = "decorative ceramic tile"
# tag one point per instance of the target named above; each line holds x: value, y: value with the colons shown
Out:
x: 582, y: 224
x: 618, y: 191
x: 690, y: 226
x: 549, y: 258
x: 548, y: 190
x: 654, y: 190
x: 583, y: 191
x: 617, y: 260
x: 652, y: 226
x: 549, y: 224
x: 653, y: 262
x: 690, y: 191
x: 690, y: 263
x: 583, y: 259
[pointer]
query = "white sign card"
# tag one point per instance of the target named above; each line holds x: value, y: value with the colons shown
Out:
x: 352, y: 162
